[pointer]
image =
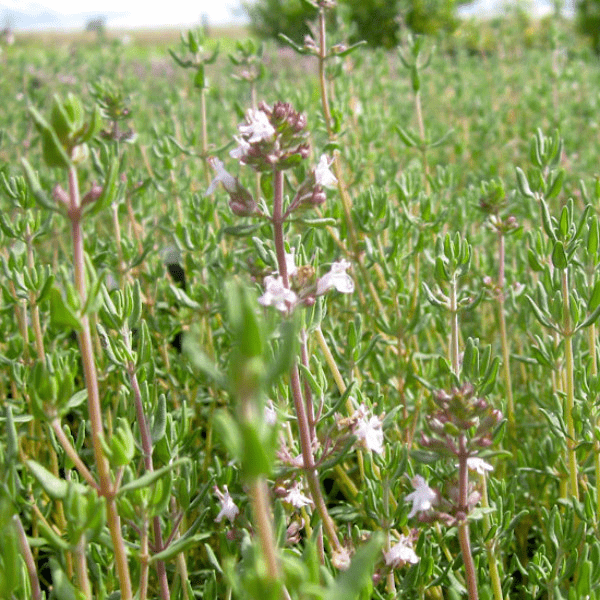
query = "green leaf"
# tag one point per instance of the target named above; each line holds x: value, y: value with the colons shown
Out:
x: 406, y: 137
x: 36, y: 189
x: 55, y: 487
x: 62, y: 588
x: 556, y: 184
x: 54, y: 153
x: 199, y: 78
x: 590, y: 319
x: 539, y: 315
x: 559, y: 258
x: 179, y: 545
x: 547, y: 220
x: 149, y: 478
x: 61, y: 314
x: 201, y: 361
x: 523, y: 184
x: 159, y: 423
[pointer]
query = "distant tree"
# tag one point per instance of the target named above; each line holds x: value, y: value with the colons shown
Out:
x: 379, y: 22
x: 97, y: 25
x: 269, y: 18
x: 588, y: 21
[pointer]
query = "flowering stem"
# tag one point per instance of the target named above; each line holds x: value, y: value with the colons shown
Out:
x: 91, y: 382
x: 296, y: 388
x: 463, y: 523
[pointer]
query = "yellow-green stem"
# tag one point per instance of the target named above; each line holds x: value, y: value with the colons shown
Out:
x: 490, y: 545
x: 570, y: 388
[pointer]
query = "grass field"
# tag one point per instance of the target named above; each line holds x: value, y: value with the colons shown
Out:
x: 363, y: 365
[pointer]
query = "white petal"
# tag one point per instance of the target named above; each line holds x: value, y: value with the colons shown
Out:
x: 259, y: 128
x: 229, y: 182
x: 336, y: 278
x: 323, y: 175
x: 401, y: 553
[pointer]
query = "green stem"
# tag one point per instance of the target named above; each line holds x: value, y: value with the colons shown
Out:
x: 454, y: 354
x: 81, y: 566
x: 490, y: 545
x: 510, y: 407
x: 423, y: 147
x: 570, y: 391
x: 72, y: 454
x: 259, y: 494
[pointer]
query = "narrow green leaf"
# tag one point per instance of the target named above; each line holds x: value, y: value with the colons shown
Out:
x: 149, y: 478
x: 523, y: 184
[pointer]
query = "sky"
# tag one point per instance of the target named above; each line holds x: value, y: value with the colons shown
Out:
x: 127, y: 14
x: 119, y: 13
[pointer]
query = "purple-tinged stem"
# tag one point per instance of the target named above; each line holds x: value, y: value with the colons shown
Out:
x: 91, y: 381
x: 149, y: 466
x: 36, y: 591
x: 296, y: 387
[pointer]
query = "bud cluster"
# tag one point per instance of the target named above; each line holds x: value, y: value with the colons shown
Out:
x: 463, y: 415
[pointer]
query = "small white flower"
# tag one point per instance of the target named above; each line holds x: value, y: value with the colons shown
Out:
x: 258, y: 127
x: 340, y: 558
x: 368, y: 430
x: 276, y: 294
x: 323, y: 175
x: 401, y: 553
x: 290, y: 263
x: 479, y: 465
x: 421, y: 498
x: 296, y: 498
x: 228, y: 508
x: 229, y: 182
x: 240, y: 152
x: 269, y: 413
x: 336, y: 278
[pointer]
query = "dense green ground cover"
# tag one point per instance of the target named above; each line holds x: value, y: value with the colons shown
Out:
x: 466, y: 205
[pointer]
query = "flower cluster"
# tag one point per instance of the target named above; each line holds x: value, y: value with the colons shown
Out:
x: 304, y: 288
x: 272, y: 137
